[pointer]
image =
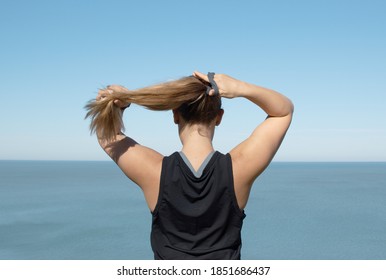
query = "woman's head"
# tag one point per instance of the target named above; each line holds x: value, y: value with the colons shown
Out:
x: 187, y: 96
x: 203, y: 109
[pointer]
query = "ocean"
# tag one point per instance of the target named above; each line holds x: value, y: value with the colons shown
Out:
x: 76, y: 210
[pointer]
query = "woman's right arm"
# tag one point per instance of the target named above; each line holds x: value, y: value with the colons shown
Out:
x: 253, y: 155
x: 139, y: 163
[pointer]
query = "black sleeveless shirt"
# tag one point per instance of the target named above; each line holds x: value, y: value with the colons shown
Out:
x: 197, y: 217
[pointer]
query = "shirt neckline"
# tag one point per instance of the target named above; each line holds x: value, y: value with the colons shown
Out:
x: 200, y: 170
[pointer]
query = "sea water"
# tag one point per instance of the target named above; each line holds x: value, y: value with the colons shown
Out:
x: 72, y: 210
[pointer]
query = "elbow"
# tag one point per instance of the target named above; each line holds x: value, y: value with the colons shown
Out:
x: 291, y: 107
x: 287, y: 109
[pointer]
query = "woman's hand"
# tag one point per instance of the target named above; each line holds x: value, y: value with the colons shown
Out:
x: 102, y: 93
x: 228, y: 87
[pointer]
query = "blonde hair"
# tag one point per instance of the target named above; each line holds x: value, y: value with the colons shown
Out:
x: 187, y: 95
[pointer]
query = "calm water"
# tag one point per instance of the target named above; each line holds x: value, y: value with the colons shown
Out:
x: 89, y: 210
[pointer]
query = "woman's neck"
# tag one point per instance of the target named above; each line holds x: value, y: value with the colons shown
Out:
x: 197, y: 142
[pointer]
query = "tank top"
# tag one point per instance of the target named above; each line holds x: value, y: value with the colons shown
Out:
x: 197, y: 216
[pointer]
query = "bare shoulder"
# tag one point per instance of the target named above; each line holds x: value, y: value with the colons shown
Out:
x: 140, y: 164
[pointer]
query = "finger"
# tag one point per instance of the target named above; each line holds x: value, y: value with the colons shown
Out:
x: 101, y: 94
x: 211, y: 92
x: 121, y: 104
x: 201, y: 76
x: 100, y: 97
x: 118, y: 103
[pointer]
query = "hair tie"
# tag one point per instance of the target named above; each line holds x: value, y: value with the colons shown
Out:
x: 213, y: 84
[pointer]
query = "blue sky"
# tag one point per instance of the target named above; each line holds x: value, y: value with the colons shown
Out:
x: 329, y: 57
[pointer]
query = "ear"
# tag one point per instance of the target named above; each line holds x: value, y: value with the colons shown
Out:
x: 219, y: 117
x: 176, y: 116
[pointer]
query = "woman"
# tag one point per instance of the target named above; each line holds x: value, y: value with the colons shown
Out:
x: 196, y: 196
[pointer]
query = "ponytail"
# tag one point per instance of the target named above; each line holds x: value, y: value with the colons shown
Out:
x: 187, y: 95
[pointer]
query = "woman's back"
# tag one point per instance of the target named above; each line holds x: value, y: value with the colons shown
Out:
x: 197, y: 216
